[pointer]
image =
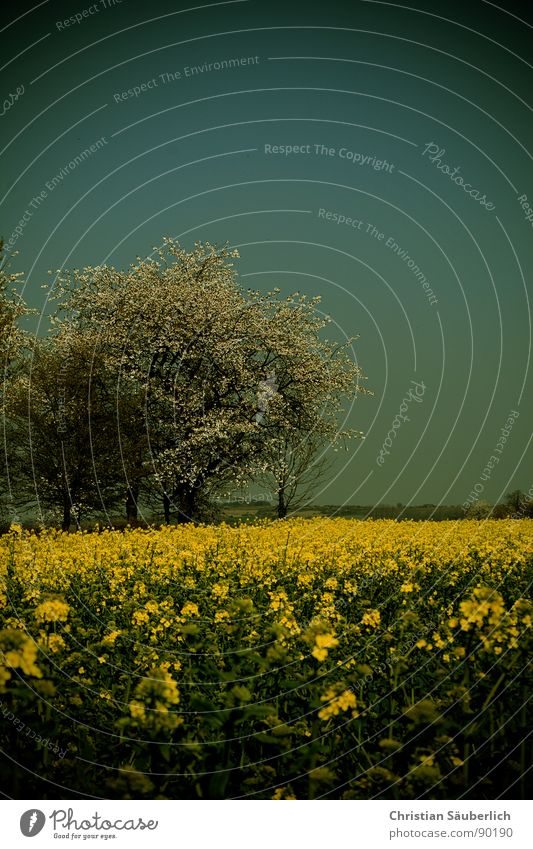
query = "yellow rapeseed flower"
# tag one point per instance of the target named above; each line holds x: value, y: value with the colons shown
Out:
x: 371, y: 618
x: 323, y: 642
x: 337, y: 703
x: 52, y: 610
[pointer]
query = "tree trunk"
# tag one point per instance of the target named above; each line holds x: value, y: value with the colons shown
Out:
x: 132, y: 496
x: 166, y: 508
x: 282, y: 506
x: 66, y: 513
x: 186, y: 507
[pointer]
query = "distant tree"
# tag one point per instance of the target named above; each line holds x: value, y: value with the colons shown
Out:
x: 515, y: 501
x: 479, y: 510
x: 295, y: 468
x: 528, y: 508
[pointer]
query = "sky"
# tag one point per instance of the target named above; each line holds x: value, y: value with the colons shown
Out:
x: 373, y: 153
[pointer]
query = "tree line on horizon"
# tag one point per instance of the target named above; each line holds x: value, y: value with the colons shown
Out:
x: 515, y: 505
x: 166, y: 385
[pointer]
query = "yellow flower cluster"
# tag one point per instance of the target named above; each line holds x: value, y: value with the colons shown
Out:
x: 52, y: 610
x: 371, y: 618
x: 337, y: 703
x: 283, y: 793
x: 190, y: 609
x: 323, y: 642
x: 17, y: 651
x: 153, y: 699
x: 496, y: 627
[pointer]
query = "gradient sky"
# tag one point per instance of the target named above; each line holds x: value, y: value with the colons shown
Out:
x: 362, y: 89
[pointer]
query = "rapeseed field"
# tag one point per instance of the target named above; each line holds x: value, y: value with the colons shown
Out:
x: 321, y: 658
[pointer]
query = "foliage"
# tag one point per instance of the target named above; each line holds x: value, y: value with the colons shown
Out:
x: 297, y: 464
x: 479, y: 510
x: 12, y: 309
x: 188, y: 352
x: 298, y: 659
x: 59, y: 427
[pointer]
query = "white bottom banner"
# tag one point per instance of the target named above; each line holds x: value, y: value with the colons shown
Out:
x: 236, y: 824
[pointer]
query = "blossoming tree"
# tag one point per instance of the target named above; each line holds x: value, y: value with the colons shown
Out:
x: 187, y: 351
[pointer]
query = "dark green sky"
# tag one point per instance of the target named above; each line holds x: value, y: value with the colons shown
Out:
x: 351, y: 84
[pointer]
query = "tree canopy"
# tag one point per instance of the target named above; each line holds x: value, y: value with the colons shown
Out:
x: 188, y: 352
